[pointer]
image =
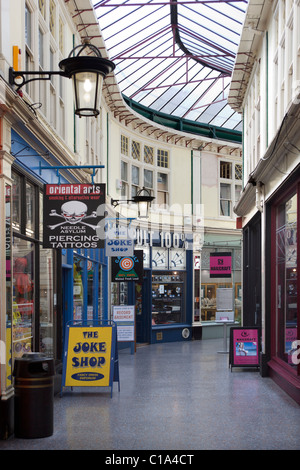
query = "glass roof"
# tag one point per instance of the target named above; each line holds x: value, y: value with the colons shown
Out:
x: 175, y: 56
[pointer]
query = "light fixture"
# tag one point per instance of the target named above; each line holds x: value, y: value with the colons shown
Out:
x: 87, y: 72
x: 142, y: 200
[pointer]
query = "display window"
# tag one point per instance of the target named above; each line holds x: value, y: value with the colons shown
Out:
x: 33, y: 299
x: 23, y: 296
x: 168, y: 297
x: 287, y: 282
x: 77, y: 288
x: 88, y: 301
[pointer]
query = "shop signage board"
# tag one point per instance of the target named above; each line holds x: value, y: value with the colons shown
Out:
x: 127, y: 268
x: 118, y: 242
x: 244, y: 347
x: 220, y: 264
x: 72, y: 215
x: 90, y: 355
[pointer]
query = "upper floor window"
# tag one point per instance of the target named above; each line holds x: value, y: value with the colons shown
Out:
x: 230, y: 178
x: 52, y: 17
x: 138, y: 170
x: 124, y: 145
x: 148, y: 154
x: 163, y: 158
x: 136, y: 150
x: 28, y: 32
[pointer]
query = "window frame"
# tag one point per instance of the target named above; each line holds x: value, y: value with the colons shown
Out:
x: 232, y: 181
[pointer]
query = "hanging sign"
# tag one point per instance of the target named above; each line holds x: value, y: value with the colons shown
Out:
x: 118, y: 242
x: 244, y: 347
x: 90, y: 356
x: 220, y: 264
x: 127, y: 268
x: 70, y: 215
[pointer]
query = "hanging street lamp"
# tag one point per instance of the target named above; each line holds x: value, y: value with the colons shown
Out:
x: 87, y: 69
x: 143, y: 202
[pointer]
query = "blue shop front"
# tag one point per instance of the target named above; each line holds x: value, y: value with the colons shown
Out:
x: 163, y: 298
x: 50, y: 286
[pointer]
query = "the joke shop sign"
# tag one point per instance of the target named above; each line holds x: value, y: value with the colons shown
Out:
x: 90, y: 356
x: 71, y: 215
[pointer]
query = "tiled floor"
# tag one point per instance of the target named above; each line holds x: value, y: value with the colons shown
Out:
x: 174, y: 396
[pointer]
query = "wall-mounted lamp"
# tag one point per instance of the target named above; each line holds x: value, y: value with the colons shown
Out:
x: 142, y: 200
x: 87, y: 72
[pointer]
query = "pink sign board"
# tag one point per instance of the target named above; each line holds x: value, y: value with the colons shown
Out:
x: 245, y: 347
x: 220, y: 265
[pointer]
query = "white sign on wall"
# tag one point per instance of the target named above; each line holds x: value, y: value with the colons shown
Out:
x: 123, y: 316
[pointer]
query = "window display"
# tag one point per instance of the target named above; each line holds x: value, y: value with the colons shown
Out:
x: 168, y: 306
x: 286, y: 264
x: 23, y: 296
x: 77, y: 289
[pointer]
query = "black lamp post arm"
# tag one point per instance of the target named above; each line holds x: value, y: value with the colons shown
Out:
x: 15, y: 76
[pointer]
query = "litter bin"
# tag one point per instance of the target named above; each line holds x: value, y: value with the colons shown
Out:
x: 34, y: 396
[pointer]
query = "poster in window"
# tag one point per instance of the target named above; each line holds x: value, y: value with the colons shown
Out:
x: 72, y: 215
x: 244, y: 347
x: 220, y: 264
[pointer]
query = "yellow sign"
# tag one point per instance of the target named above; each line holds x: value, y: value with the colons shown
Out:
x: 89, y: 354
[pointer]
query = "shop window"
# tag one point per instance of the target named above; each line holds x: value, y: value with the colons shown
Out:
x: 46, y: 301
x: 168, y: 306
x: 23, y: 298
x: 286, y: 278
x: 91, y: 272
x: 30, y: 210
x: 119, y: 293
x: 16, y: 202
x: 77, y: 289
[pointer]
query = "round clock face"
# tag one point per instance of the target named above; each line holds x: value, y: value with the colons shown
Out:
x: 177, y: 259
x: 159, y: 258
x: 146, y: 257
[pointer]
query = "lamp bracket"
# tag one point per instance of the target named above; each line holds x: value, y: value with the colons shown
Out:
x: 68, y: 167
x: 15, y: 76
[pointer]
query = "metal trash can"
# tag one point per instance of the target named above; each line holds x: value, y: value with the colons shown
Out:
x: 34, y: 396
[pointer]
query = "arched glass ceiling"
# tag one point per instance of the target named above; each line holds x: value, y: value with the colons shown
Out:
x: 175, y: 56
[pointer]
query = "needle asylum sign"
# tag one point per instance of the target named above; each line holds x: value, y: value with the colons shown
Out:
x: 70, y: 215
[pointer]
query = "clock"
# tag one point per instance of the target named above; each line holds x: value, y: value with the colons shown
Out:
x: 177, y: 258
x: 159, y: 258
x: 146, y: 257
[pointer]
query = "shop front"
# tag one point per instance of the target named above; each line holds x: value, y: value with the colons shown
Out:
x: 282, y: 323
x: 163, y: 297
x: 50, y: 286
